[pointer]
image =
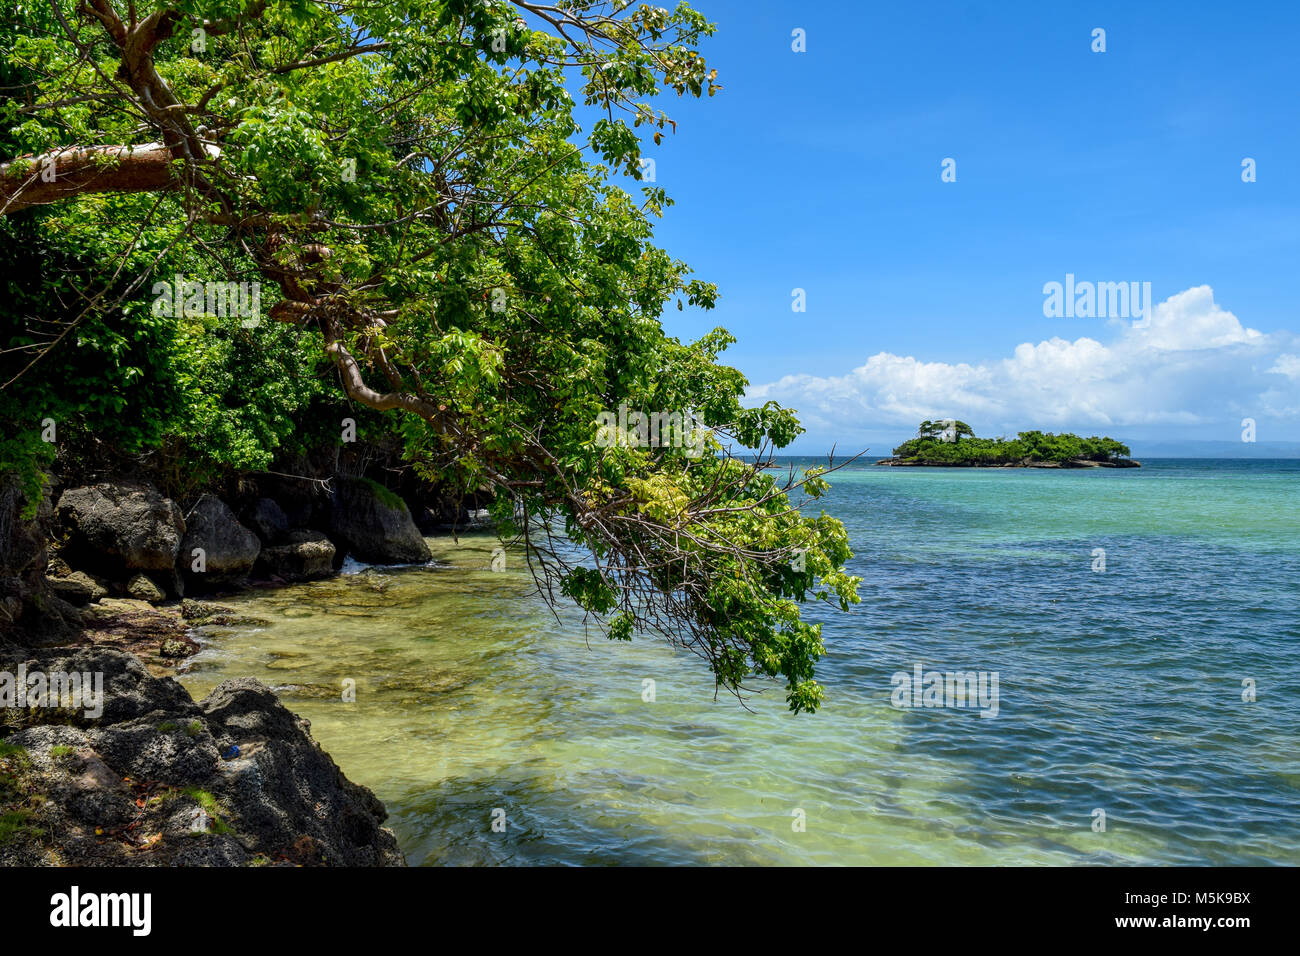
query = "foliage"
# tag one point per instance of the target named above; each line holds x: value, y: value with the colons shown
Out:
x: 411, y: 180
x: 215, y: 395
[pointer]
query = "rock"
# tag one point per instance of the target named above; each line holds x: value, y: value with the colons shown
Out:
x: 135, y: 626
x: 373, y: 524
x: 22, y: 546
x: 28, y: 609
x: 305, y: 555
x: 177, y: 647
x: 141, y: 588
x: 78, y: 588
x: 199, y: 614
x: 447, y: 514
x: 268, y: 520
x: 145, y: 783
x: 12, y: 610
x: 204, y: 612
x: 297, y: 498
x: 117, y: 526
x: 229, y: 549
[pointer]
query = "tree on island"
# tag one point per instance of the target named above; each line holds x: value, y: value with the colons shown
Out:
x: 945, y: 429
x: 438, y: 239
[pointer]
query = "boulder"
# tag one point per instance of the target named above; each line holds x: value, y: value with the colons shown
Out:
x: 268, y: 520
x: 449, y: 515
x: 178, y: 647
x: 121, y: 526
x: 126, y: 787
x: 78, y: 588
x: 201, y: 612
x: 141, y: 588
x: 229, y: 549
x: 373, y: 524
x: 296, y: 498
x: 303, y: 556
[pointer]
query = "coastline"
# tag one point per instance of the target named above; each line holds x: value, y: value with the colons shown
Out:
x: 1072, y: 464
x: 151, y: 775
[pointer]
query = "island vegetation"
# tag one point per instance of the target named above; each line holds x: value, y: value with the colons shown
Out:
x: 953, y: 443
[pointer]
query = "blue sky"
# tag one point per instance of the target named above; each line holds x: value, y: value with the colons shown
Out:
x: 821, y: 170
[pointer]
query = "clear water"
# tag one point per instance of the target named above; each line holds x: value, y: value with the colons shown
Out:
x: 1119, y: 691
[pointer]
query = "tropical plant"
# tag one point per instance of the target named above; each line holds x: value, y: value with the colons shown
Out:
x: 431, y: 211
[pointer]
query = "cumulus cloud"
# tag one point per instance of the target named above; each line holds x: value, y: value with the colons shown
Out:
x: 1188, y: 362
x: 1191, y: 321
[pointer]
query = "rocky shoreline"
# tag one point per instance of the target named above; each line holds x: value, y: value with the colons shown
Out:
x: 96, y: 583
x: 1026, y: 463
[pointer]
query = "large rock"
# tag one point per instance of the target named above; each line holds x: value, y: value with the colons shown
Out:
x: 158, y: 780
x: 29, y: 611
x: 229, y: 549
x: 121, y: 526
x: 305, y: 555
x: 78, y: 588
x: 268, y: 520
x: 296, y: 498
x: 372, y: 524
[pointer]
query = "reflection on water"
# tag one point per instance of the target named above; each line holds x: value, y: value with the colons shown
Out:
x: 1118, y: 691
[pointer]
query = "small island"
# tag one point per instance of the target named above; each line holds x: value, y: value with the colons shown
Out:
x: 952, y: 443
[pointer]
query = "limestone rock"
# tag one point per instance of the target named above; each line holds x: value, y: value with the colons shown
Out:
x: 146, y: 784
x: 303, y: 556
x: 121, y: 526
x: 229, y: 550
x: 373, y: 524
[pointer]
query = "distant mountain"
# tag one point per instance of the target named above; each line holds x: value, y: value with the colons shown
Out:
x: 1214, y: 449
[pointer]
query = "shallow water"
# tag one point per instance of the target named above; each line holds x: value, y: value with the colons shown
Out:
x: 1118, y: 691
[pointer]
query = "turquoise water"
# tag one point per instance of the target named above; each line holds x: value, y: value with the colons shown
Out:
x: 1119, y: 690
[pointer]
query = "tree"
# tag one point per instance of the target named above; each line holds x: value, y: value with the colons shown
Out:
x: 945, y: 429
x: 410, y: 181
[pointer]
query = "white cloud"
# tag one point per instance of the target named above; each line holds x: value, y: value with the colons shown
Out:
x: 1189, y: 321
x: 1288, y: 365
x: 1189, y: 362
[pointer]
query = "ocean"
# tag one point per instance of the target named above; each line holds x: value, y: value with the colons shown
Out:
x: 1142, y: 626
